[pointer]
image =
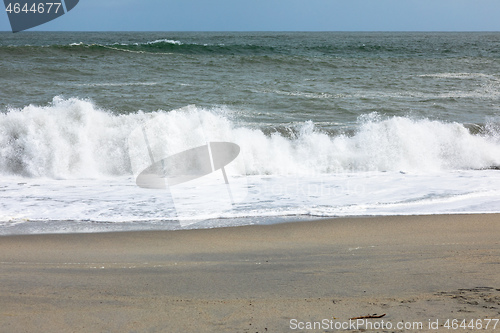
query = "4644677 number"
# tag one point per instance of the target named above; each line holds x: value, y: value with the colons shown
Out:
x: 473, y: 324
x: 35, y: 8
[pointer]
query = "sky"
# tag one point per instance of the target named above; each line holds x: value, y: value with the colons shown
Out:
x: 276, y: 15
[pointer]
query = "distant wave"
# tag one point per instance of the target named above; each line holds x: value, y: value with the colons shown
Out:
x: 157, y: 46
x: 175, y: 46
x: 76, y: 139
x: 363, y: 47
x: 170, y: 41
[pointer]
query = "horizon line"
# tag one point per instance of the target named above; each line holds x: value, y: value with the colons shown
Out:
x: 252, y: 31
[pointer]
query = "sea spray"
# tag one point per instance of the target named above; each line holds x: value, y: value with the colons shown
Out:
x: 74, y: 138
x: 68, y: 138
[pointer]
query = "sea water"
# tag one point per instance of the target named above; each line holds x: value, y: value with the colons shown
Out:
x: 328, y: 124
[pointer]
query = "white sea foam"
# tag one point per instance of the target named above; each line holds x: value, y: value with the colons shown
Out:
x: 70, y: 167
x: 69, y: 138
x: 45, y: 205
x: 73, y: 138
x: 168, y: 41
x: 460, y: 76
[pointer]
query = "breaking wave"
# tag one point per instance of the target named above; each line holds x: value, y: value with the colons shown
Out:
x: 73, y: 138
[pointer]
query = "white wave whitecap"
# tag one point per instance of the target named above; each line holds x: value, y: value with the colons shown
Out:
x: 73, y: 138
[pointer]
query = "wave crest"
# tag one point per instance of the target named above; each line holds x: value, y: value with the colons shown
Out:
x: 72, y: 138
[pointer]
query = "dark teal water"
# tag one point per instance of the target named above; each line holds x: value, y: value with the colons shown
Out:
x: 268, y: 78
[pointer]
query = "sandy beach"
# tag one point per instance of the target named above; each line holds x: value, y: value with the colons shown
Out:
x: 273, y: 278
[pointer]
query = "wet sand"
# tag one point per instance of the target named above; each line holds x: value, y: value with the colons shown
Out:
x: 273, y: 278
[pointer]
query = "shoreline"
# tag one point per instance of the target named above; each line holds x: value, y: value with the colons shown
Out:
x: 292, y: 219
x: 253, y: 277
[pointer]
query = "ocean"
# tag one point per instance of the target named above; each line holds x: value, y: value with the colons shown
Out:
x: 328, y: 124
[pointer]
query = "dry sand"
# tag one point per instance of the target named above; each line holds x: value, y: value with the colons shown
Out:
x: 255, y: 278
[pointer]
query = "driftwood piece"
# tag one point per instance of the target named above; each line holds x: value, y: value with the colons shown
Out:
x: 369, y: 316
